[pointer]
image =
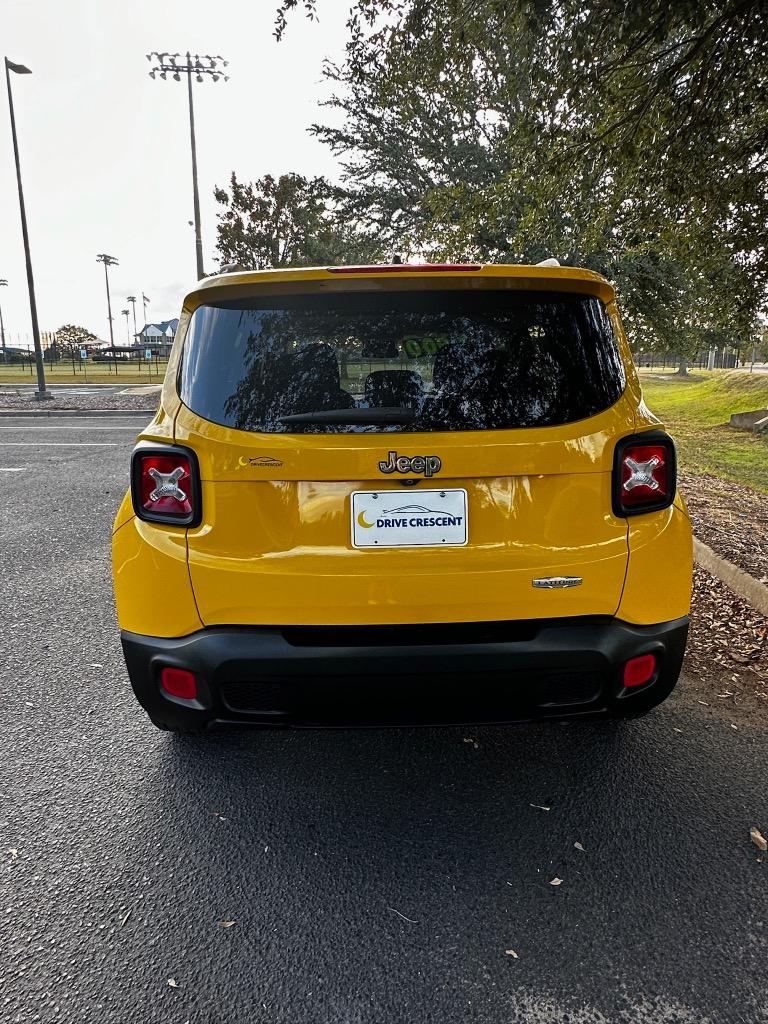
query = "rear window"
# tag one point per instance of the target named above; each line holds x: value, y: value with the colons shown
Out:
x: 403, y: 361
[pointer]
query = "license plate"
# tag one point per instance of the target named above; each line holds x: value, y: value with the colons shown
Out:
x: 420, y: 519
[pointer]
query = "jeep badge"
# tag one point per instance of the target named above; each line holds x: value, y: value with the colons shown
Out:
x: 426, y: 464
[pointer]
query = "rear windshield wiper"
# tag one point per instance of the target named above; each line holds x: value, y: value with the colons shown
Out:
x: 386, y: 414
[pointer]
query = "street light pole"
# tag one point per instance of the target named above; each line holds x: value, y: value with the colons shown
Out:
x: 125, y: 313
x: 108, y: 261
x: 2, y: 325
x: 166, y: 62
x: 42, y: 392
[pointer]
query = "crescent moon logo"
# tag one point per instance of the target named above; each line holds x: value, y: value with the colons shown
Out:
x: 361, y: 521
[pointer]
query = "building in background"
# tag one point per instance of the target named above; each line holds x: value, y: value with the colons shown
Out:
x: 158, y: 337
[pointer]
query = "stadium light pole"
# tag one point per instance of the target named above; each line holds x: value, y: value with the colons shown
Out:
x: 3, y: 283
x: 132, y: 300
x: 108, y: 261
x: 165, y: 64
x: 126, y: 314
x: 42, y: 392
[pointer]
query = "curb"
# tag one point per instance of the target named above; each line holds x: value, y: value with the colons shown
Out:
x: 74, y: 413
x: 740, y: 582
x: 14, y: 386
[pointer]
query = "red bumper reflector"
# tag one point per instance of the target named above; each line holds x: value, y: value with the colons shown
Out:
x: 638, y: 671
x: 179, y: 682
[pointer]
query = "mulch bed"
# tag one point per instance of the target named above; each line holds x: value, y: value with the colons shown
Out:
x: 731, y: 519
x: 95, y: 401
x: 726, y: 662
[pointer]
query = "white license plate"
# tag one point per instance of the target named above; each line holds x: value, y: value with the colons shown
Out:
x: 415, y: 519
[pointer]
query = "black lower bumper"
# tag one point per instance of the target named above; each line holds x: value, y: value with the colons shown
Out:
x: 394, y: 675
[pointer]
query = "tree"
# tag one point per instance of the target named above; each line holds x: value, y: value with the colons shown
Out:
x: 287, y: 222
x: 628, y: 138
x: 69, y: 339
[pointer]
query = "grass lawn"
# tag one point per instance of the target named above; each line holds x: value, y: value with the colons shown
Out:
x: 96, y: 373
x: 696, y: 409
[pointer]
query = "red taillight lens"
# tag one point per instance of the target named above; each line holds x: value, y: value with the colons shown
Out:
x: 165, y: 485
x: 639, y: 671
x: 179, y: 682
x: 644, y: 475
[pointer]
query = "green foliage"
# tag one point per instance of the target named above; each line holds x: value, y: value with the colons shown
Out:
x: 695, y: 410
x: 629, y: 138
x: 70, y: 338
x: 288, y: 221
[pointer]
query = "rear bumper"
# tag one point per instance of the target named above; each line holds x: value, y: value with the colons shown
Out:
x: 394, y: 675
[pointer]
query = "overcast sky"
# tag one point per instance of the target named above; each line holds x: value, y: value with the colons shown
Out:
x: 105, y: 149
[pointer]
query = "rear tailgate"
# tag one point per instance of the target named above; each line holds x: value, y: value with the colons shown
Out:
x: 275, y: 546
x: 514, y: 379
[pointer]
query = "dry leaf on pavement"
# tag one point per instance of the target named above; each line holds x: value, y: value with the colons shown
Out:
x: 758, y: 839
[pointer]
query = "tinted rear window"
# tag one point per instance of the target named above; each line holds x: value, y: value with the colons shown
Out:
x: 405, y: 361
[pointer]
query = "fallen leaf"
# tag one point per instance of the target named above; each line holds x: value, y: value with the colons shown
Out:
x: 556, y: 881
x: 758, y: 839
x: 124, y: 920
x: 511, y: 952
x: 408, y: 919
x: 541, y: 807
x: 579, y: 847
x: 13, y: 854
x: 173, y: 983
x: 226, y: 924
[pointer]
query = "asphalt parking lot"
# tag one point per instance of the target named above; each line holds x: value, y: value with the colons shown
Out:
x: 340, y: 876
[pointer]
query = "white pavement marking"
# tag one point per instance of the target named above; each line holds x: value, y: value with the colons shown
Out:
x: 59, y: 444
x: 18, y: 470
x: 67, y: 426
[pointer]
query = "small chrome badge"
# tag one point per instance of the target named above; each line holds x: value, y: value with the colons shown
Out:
x: 557, y: 582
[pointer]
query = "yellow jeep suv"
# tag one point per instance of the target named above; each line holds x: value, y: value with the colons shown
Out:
x: 397, y: 494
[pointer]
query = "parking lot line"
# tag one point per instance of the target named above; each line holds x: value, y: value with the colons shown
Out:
x: 68, y: 426
x: 59, y: 444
